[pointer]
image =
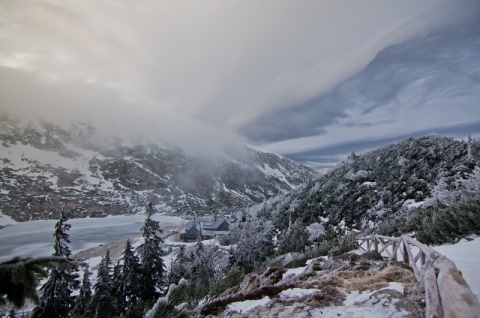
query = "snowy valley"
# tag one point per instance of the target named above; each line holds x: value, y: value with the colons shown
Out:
x: 170, y: 159
x: 430, y: 178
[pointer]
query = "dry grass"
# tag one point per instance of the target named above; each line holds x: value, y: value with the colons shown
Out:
x: 374, y: 280
x: 332, y: 286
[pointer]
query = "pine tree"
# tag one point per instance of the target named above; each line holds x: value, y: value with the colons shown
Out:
x: 127, y: 288
x: 18, y: 278
x: 255, y: 233
x: 102, y: 304
x: 84, y: 296
x: 151, y: 262
x: 294, y: 239
x: 179, y: 268
x: 116, y: 281
x: 57, y: 299
x: 171, y: 305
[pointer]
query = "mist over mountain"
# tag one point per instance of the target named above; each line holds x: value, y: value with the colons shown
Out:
x: 76, y: 168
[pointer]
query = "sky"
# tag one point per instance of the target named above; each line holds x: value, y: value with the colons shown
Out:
x: 311, y: 80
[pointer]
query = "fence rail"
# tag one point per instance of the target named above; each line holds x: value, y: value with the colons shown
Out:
x: 446, y: 292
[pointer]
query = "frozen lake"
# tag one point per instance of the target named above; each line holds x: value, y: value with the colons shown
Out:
x: 35, y: 238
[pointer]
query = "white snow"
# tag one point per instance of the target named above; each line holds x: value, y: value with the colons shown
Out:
x: 244, y: 306
x: 92, y: 267
x: 16, y: 152
x: 293, y: 272
x: 351, y: 309
x: 369, y: 183
x: 294, y: 293
x: 267, y: 170
x: 6, y: 220
x: 412, y: 204
x: 466, y: 256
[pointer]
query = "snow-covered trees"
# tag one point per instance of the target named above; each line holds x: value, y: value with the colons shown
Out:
x: 57, y: 299
x: 253, y: 240
x: 84, y: 295
x: 172, y: 304
x: 202, y: 265
x: 127, y: 288
x: 294, y: 239
x: 152, y: 269
x: 102, y: 304
x: 444, y: 223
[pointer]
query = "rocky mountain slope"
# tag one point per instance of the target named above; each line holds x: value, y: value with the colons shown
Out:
x: 48, y: 167
x: 383, y: 188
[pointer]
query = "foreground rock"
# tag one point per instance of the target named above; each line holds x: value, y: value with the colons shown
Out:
x: 324, y: 288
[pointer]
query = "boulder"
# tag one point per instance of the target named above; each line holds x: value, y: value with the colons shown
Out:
x: 294, y: 259
x: 289, y: 260
x: 394, y: 304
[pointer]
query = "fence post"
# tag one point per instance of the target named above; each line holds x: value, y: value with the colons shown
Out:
x: 405, y: 253
x: 457, y: 298
x: 429, y: 284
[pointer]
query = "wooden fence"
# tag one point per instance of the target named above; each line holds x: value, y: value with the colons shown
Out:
x: 446, y: 292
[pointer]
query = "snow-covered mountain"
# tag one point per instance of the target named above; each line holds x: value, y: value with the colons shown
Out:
x: 48, y: 167
x: 392, y: 189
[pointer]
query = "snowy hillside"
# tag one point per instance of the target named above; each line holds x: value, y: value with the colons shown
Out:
x: 48, y: 167
x: 392, y: 190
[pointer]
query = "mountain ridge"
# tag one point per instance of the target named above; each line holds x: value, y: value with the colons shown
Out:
x: 373, y: 191
x: 48, y: 168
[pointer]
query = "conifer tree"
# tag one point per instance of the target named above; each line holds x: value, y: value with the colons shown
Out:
x: 18, y: 278
x: 57, y: 299
x: 102, y: 304
x: 84, y: 296
x: 179, y: 268
x: 127, y: 287
x: 116, y: 281
x: 171, y: 305
x: 294, y: 239
x: 254, y: 242
x: 151, y: 262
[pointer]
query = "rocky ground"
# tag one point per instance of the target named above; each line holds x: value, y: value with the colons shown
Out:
x: 346, y: 286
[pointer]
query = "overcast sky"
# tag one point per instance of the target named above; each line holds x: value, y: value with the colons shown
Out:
x: 309, y: 79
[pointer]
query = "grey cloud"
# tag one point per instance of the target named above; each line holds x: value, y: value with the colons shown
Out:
x: 402, y: 78
x: 307, y: 119
x: 325, y: 158
x: 269, y: 69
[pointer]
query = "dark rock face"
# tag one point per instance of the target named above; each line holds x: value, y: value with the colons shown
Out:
x: 47, y: 168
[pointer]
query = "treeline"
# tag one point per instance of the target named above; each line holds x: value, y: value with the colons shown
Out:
x: 437, y: 223
x: 128, y: 288
x: 139, y: 282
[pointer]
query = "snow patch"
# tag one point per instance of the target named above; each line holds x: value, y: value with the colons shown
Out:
x: 244, y: 306
x: 410, y: 203
x: 352, y: 308
x: 6, y: 220
x: 294, y: 293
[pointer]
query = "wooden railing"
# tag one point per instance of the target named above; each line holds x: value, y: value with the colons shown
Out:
x: 446, y: 292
